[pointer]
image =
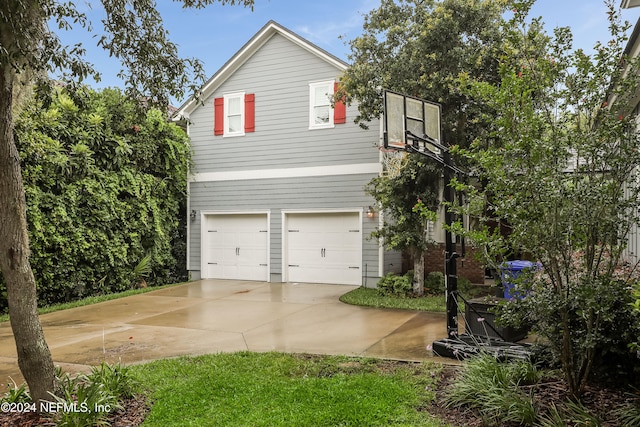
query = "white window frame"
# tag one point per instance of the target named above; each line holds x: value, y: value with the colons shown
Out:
x: 227, y: 98
x: 313, y: 103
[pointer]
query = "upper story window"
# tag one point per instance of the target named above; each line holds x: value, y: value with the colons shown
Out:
x: 320, y: 111
x: 234, y: 114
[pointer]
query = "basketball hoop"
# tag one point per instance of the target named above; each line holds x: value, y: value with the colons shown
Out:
x: 393, y: 160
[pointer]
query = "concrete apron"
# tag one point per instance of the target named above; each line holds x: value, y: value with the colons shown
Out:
x: 213, y: 316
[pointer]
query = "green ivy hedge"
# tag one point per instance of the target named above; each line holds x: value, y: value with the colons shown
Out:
x: 106, y: 186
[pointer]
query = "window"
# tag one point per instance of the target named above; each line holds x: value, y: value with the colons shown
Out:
x: 234, y: 114
x: 321, y: 113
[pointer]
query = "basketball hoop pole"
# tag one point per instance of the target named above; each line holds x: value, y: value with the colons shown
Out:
x: 451, y: 255
x: 412, y: 125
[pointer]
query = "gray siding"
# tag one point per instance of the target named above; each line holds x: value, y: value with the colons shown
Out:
x: 276, y: 195
x: 279, y: 74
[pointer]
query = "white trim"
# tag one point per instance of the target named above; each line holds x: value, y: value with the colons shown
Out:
x: 188, y: 233
x: 284, y: 222
x: 312, y: 171
x: 381, y: 251
x: 227, y: 98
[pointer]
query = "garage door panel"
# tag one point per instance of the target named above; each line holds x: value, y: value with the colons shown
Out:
x: 324, y: 248
x: 342, y: 256
x: 236, y: 246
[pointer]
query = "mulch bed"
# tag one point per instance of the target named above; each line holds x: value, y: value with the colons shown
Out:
x: 599, y: 400
x: 134, y: 412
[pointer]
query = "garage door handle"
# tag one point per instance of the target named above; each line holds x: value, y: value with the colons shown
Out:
x: 354, y: 268
x: 212, y: 263
x: 263, y: 265
x: 294, y: 265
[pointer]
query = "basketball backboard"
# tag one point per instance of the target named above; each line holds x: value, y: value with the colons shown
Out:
x: 409, y: 121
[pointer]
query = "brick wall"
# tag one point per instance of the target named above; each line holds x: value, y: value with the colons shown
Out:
x: 471, y: 268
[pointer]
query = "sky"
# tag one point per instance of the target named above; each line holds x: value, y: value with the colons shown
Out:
x: 215, y: 34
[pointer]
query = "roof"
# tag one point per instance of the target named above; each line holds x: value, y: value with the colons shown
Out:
x: 633, y: 39
x: 626, y: 4
x: 270, y: 29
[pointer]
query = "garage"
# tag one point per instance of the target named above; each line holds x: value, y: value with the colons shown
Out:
x: 235, y: 246
x: 323, y: 247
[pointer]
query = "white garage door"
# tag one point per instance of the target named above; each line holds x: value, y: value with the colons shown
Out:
x: 324, y: 248
x: 235, y: 247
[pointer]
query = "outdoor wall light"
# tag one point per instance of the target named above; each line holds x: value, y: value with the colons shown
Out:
x: 193, y: 215
x: 371, y: 212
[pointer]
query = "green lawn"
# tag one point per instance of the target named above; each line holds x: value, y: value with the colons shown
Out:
x: 371, y: 298
x: 275, y: 389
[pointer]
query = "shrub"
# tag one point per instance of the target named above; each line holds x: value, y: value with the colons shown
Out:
x: 396, y: 286
x: 100, y: 393
x: 434, y: 283
x: 575, y: 411
x: 492, y: 387
x: 629, y: 415
x: 105, y: 186
x: 116, y: 379
x: 16, y: 394
x: 597, y: 309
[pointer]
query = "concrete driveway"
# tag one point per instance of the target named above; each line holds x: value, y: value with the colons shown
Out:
x: 212, y: 316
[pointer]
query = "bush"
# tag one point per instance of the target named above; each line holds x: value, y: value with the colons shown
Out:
x: 434, y: 283
x: 597, y: 308
x: 395, y: 286
x: 492, y: 387
x: 105, y: 186
x: 83, y: 400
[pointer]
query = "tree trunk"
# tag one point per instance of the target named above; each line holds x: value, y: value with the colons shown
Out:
x: 34, y: 357
x: 418, y: 273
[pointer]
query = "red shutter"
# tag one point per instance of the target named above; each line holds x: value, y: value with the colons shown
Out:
x: 218, y: 119
x: 339, y: 108
x: 250, y: 112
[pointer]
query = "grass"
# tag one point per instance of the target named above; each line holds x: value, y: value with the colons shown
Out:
x: 371, y: 298
x: 93, y: 300
x: 275, y: 389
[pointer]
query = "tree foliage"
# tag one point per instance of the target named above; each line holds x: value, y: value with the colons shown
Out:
x: 420, y: 48
x: 29, y: 47
x: 132, y: 31
x: 410, y: 204
x: 560, y: 168
x: 105, y: 187
x: 403, y: 198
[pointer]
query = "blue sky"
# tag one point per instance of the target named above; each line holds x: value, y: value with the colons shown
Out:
x: 216, y: 33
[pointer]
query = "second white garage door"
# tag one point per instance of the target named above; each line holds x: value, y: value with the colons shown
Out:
x: 324, y: 247
x: 235, y: 246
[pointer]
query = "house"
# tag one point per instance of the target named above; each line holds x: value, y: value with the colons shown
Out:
x: 632, y: 49
x: 277, y: 186
x: 626, y: 4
